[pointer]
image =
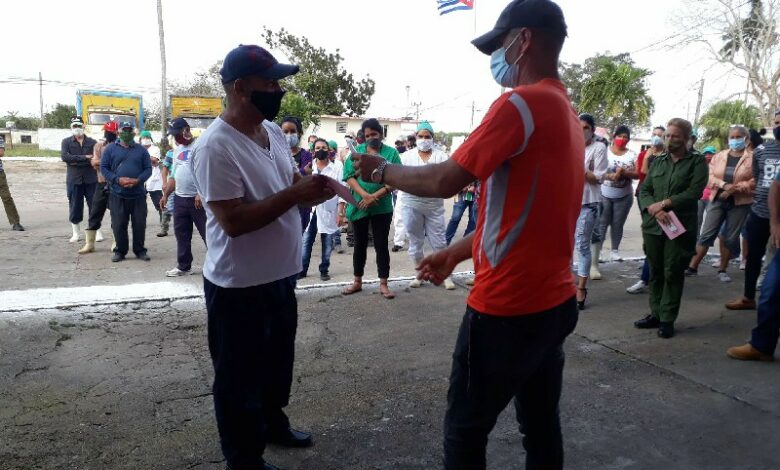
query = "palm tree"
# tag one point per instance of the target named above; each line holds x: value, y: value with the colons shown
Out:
x: 721, y: 116
x: 616, y: 94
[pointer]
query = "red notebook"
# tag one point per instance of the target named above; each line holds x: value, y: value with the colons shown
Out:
x: 674, y: 229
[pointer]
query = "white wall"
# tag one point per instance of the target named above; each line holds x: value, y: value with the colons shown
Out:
x: 51, y: 139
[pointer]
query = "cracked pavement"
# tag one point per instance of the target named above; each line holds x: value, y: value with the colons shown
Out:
x: 127, y: 386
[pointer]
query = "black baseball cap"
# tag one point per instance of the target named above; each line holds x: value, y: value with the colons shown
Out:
x: 251, y: 60
x: 177, y: 126
x: 521, y: 14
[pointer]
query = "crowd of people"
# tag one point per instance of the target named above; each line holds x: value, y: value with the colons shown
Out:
x: 260, y: 199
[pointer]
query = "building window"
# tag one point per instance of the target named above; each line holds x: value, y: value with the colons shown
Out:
x: 341, y: 127
x: 26, y: 139
x: 385, y: 127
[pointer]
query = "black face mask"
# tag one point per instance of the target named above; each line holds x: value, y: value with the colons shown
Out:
x: 321, y: 154
x: 375, y: 144
x: 776, y: 132
x: 268, y: 103
x: 109, y: 136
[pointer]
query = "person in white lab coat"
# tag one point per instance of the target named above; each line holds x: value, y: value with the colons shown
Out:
x: 324, y: 216
x: 423, y: 217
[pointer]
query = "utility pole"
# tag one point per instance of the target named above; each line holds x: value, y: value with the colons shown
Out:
x: 472, y: 114
x: 40, y: 85
x: 698, y: 102
x: 164, y: 105
x: 417, y: 110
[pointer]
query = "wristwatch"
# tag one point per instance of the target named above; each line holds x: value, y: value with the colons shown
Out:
x: 378, y: 175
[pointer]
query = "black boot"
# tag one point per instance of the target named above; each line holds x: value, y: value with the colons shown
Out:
x: 666, y: 330
x: 648, y: 322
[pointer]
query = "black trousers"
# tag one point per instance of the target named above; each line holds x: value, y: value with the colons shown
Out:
x: 98, y: 208
x: 77, y: 194
x: 498, y: 359
x: 156, y: 196
x: 251, y: 334
x: 184, y: 217
x: 380, y: 227
x: 123, y: 211
x: 757, y: 229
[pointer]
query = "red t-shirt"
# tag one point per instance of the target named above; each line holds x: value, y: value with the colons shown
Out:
x: 527, y: 154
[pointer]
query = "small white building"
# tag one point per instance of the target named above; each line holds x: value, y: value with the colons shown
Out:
x: 13, y: 136
x: 336, y: 127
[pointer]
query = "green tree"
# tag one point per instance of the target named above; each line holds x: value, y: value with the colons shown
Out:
x: 296, y: 105
x: 322, y: 81
x: 207, y: 83
x: 612, y: 89
x: 24, y: 123
x: 721, y: 116
x: 60, y: 116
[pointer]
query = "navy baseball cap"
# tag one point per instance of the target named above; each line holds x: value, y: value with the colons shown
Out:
x: 250, y: 60
x: 542, y: 14
x: 177, y: 126
x: 126, y: 124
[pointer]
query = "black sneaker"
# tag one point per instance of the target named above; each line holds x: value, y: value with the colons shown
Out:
x: 397, y: 248
x: 648, y: 322
x: 117, y: 257
x: 324, y: 277
x: 143, y: 256
x: 17, y: 228
x: 666, y: 330
x: 689, y: 271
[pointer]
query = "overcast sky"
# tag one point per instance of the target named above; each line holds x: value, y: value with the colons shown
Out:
x: 399, y: 43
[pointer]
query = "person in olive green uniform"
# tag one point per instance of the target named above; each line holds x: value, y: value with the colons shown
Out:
x: 375, y: 209
x: 5, y: 194
x: 674, y: 183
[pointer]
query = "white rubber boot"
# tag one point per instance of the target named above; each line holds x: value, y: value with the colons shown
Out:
x: 595, y: 251
x: 448, y: 284
x: 76, y: 232
x: 99, y: 236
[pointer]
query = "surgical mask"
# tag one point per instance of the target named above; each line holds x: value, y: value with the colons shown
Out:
x: 425, y: 145
x: 621, y: 142
x: 146, y: 142
x: 504, y: 73
x: 321, y: 155
x: 292, y: 140
x: 375, y: 144
x: 78, y: 131
x: 109, y: 136
x: 656, y: 141
x: 737, y: 144
x: 127, y: 136
x: 588, y: 135
x: 268, y: 103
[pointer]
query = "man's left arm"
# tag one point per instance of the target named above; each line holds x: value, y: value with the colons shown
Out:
x: 146, y: 165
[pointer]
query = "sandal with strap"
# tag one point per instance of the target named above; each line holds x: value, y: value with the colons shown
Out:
x: 352, y: 289
x: 581, y: 303
x: 388, y: 295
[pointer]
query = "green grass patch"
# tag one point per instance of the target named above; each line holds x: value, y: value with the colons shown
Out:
x: 29, y: 150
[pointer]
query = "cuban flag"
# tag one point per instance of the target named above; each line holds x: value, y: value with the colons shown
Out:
x: 448, y: 6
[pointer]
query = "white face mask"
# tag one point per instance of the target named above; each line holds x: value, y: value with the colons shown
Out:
x: 78, y: 131
x: 146, y: 142
x: 425, y: 145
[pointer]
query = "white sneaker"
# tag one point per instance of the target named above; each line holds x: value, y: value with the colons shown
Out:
x: 415, y: 283
x: 448, y: 284
x: 742, y: 264
x: 99, y: 236
x: 614, y: 255
x: 716, y: 263
x: 176, y: 272
x: 638, y: 288
x: 724, y: 276
x: 470, y: 281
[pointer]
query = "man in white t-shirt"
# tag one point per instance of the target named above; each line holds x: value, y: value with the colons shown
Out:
x: 243, y: 172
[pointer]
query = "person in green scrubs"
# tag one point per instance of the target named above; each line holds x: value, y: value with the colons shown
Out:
x: 375, y: 209
x: 674, y: 184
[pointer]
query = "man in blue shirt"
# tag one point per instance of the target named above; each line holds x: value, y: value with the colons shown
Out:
x: 126, y: 166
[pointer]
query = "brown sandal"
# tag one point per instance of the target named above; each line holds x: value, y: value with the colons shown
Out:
x: 388, y: 295
x: 353, y: 289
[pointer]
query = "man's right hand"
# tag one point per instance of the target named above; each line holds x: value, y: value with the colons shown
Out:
x: 436, y: 267
x: 311, y: 190
x: 163, y: 202
x: 775, y: 229
x: 126, y: 182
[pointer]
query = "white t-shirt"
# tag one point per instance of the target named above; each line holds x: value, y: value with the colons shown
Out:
x: 229, y: 165
x: 154, y: 183
x: 412, y: 158
x: 597, y: 163
x: 623, y: 187
x: 181, y: 171
x: 328, y: 211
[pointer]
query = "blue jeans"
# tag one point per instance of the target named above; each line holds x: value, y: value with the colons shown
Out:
x: 336, y: 238
x: 597, y: 236
x: 767, y: 332
x: 582, y: 237
x: 457, y: 213
x: 645, y: 272
x: 308, y: 243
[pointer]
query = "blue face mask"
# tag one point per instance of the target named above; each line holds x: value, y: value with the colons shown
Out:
x: 656, y: 141
x: 737, y: 144
x: 504, y: 73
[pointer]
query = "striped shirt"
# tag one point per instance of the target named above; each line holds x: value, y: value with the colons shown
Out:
x: 766, y: 165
